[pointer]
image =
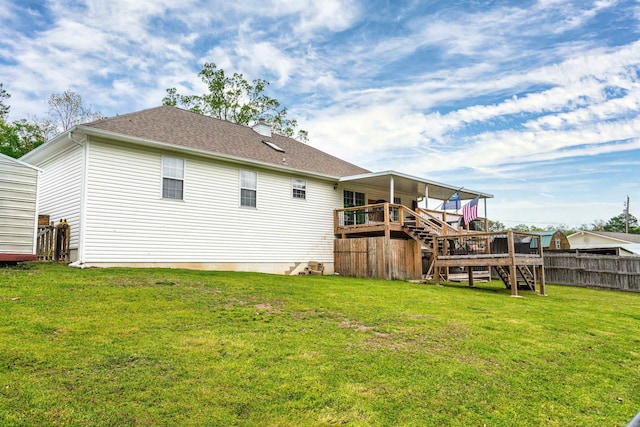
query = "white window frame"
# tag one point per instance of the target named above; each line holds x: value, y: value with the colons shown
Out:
x: 173, y: 169
x: 246, y: 186
x: 298, y: 189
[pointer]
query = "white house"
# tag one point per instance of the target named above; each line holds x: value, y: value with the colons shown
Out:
x: 168, y: 187
x: 18, y: 210
x: 606, y: 242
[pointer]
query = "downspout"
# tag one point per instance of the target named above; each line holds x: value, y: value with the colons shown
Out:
x: 83, y: 197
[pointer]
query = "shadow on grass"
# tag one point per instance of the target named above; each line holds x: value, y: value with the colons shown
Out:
x: 493, y: 287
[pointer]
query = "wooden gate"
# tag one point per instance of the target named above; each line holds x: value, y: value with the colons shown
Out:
x: 53, y: 242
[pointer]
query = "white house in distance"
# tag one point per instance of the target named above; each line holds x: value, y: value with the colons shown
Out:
x: 18, y: 210
x: 168, y: 187
x: 605, y: 242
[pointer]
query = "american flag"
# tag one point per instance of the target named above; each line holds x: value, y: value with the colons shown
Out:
x: 470, y: 210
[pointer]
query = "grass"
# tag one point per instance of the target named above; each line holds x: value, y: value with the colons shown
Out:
x: 151, y: 347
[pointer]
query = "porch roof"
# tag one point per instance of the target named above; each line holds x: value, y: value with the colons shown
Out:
x: 413, y: 185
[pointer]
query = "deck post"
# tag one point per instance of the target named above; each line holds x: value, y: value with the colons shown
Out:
x: 470, y: 276
x: 387, y: 243
x: 542, y: 290
x: 513, y: 279
x: 436, y: 268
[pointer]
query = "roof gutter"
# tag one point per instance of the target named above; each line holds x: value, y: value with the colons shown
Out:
x: 413, y: 178
x: 202, y: 153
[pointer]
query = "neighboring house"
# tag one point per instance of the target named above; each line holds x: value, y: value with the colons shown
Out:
x: 18, y: 210
x: 553, y: 240
x: 168, y: 187
x: 605, y: 242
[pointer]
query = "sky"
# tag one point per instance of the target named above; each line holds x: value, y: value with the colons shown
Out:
x: 535, y: 102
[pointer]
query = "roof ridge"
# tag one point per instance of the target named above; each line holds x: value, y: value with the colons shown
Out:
x: 185, y: 128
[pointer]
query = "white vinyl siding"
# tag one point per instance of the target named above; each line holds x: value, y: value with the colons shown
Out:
x: 18, y: 187
x: 129, y: 224
x: 61, y: 189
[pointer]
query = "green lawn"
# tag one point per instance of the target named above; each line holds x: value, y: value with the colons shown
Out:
x: 151, y: 347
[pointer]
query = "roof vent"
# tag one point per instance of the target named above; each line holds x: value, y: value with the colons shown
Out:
x: 262, y: 127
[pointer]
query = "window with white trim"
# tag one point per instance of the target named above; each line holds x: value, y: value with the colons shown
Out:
x: 299, y: 188
x: 172, y: 178
x: 248, y: 188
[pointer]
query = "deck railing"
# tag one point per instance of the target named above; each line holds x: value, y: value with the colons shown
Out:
x: 488, y: 244
x: 376, y: 216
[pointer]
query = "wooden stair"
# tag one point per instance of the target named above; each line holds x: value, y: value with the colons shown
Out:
x: 420, y: 234
x: 525, y: 276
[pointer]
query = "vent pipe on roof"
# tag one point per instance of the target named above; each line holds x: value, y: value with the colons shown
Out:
x: 262, y: 127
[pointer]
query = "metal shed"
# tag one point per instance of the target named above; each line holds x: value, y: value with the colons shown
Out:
x: 18, y: 210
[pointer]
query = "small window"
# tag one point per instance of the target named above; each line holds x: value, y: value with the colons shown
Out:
x: 558, y: 244
x: 248, y: 188
x: 299, y: 188
x: 172, y: 178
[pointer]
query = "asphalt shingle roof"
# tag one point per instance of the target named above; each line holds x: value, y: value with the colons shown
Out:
x: 633, y: 238
x: 187, y: 129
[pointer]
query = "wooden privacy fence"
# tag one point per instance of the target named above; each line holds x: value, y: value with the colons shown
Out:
x: 53, y: 242
x: 369, y: 257
x: 593, y: 271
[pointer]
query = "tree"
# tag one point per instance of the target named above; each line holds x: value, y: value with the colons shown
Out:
x: 618, y: 224
x: 495, y: 226
x: 236, y: 100
x: 4, y: 108
x: 19, y: 137
x: 67, y: 109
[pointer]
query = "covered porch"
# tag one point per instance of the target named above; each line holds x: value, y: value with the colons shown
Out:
x: 399, y: 215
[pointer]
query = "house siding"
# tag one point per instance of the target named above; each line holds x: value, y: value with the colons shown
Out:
x: 131, y: 223
x: 18, y: 201
x: 61, y: 191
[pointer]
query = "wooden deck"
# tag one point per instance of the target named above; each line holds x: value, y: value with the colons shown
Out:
x: 510, y: 253
x: 514, y: 256
x: 402, y: 236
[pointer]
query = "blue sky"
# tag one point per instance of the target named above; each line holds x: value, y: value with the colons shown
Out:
x: 535, y: 102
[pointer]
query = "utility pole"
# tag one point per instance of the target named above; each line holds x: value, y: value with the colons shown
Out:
x: 626, y: 216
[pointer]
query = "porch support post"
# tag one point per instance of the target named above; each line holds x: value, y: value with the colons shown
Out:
x: 486, y: 218
x: 426, y: 197
x: 391, y: 189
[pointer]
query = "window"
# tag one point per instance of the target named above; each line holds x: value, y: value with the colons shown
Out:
x: 353, y: 198
x: 172, y: 178
x: 248, y: 187
x: 299, y: 188
x: 558, y: 244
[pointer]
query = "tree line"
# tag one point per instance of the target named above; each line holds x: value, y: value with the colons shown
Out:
x: 616, y: 224
x: 18, y: 137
